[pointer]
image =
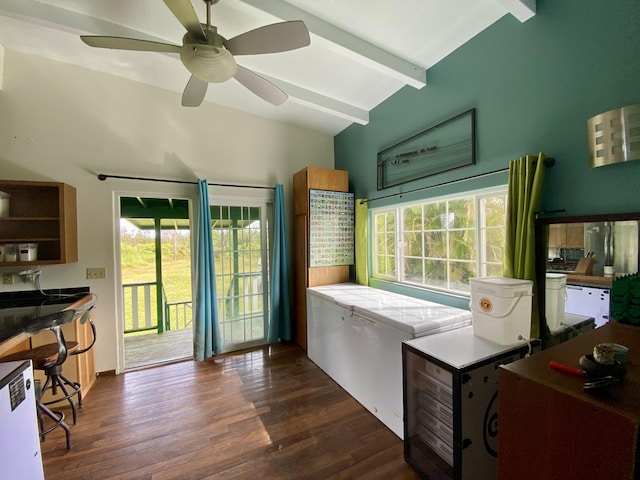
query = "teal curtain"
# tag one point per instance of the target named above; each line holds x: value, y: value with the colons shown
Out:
x: 280, y: 326
x: 206, y: 332
x: 526, y: 176
x: 362, y: 237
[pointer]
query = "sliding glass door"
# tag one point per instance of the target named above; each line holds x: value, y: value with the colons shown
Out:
x: 241, y: 253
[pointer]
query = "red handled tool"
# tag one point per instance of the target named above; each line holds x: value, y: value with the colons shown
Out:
x: 567, y: 369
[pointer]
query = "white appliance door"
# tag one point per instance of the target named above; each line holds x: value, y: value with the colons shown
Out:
x: 376, y: 363
x: 20, y: 456
x: 588, y: 301
x: 327, y: 344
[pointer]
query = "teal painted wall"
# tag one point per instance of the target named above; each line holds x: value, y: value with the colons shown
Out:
x: 534, y: 86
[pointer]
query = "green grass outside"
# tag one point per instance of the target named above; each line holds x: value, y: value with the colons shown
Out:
x: 138, y: 266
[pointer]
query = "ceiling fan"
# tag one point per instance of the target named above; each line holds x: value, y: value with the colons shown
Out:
x: 210, y: 57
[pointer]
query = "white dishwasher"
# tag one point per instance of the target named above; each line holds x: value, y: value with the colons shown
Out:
x: 355, y: 334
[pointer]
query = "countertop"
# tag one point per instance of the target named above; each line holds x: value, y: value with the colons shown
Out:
x: 589, y: 281
x: 23, y: 316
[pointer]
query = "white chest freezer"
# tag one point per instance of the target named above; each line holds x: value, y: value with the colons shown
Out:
x: 355, y: 334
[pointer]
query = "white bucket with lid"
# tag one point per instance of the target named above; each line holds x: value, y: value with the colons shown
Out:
x: 555, y: 297
x: 4, y: 204
x: 501, y: 309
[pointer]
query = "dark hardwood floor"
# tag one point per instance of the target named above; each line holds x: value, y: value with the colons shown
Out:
x: 265, y: 414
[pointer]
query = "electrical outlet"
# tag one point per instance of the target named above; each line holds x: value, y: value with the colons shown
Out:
x: 7, y: 278
x: 97, y: 272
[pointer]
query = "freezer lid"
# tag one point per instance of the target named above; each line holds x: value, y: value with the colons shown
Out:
x: 414, y: 316
x: 350, y: 295
x: 418, y: 320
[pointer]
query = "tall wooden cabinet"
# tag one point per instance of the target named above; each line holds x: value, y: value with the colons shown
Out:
x: 311, y: 178
x: 44, y: 213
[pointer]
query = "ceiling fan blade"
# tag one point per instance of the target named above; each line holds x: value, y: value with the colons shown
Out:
x: 274, y: 38
x: 194, y: 92
x: 122, y: 43
x: 260, y: 86
x: 186, y: 15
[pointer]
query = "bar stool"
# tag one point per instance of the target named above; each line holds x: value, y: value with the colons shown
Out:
x: 47, y: 357
x: 55, y: 378
x: 56, y: 416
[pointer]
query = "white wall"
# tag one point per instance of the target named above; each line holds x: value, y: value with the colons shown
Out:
x: 63, y: 123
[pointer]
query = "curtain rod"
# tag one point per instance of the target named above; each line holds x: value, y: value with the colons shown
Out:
x: 102, y: 177
x: 548, y: 162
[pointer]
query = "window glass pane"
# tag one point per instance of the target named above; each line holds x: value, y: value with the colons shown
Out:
x: 413, y: 270
x: 494, y: 210
x: 495, y: 239
x: 462, y: 244
x: 459, y: 273
x: 391, y: 266
x: 435, y: 216
x: 413, y: 244
x: 390, y: 222
x: 390, y: 244
x: 494, y: 270
x: 385, y: 244
x: 435, y: 244
x: 464, y: 213
x: 435, y: 273
x: 412, y: 218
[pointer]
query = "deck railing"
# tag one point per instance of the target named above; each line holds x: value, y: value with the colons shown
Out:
x: 178, y: 315
x: 141, y: 312
x: 242, y: 300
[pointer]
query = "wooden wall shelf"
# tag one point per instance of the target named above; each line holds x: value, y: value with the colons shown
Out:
x: 44, y: 213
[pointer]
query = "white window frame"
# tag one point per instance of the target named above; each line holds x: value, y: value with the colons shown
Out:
x: 481, y: 229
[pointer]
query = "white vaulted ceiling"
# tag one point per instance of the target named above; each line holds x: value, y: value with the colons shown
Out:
x: 361, y: 52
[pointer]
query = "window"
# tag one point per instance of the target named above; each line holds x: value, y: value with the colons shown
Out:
x: 442, y: 243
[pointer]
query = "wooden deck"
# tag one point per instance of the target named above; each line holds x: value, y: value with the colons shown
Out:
x: 153, y: 348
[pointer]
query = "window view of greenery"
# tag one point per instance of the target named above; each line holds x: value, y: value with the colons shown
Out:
x: 137, y: 252
x: 385, y: 252
x: 238, y: 248
x: 239, y: 245
x: 444, y: 242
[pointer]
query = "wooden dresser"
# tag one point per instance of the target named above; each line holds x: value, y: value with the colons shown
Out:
x: 550, y: 428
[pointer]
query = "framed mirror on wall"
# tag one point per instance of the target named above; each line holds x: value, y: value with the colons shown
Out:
x: 577, y: 260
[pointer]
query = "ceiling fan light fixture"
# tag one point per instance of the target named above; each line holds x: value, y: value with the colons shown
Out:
x: 208, y: 63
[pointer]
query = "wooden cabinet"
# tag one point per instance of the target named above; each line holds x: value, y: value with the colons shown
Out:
x: 44, y: 213
x: 552, y: 429
x: 574, y: 235
x: 311, y: 178
x: 566, y: 235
